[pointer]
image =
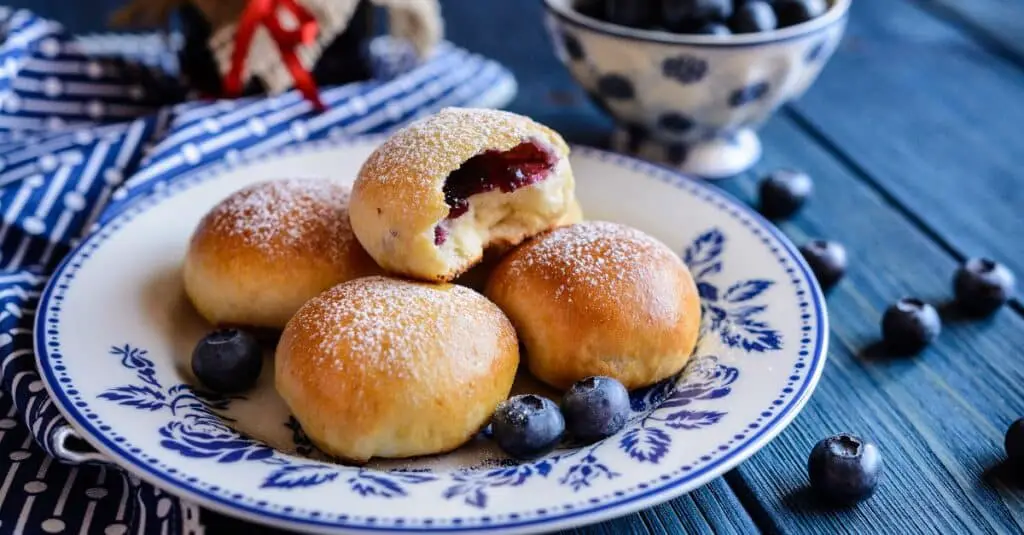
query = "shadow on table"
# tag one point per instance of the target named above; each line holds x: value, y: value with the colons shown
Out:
x: 806, y: 500
x: 1003, y: 475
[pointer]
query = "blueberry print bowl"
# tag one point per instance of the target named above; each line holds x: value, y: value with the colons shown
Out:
x: 692, y: 101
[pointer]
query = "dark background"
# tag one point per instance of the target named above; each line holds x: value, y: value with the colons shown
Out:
x: 552, y: 98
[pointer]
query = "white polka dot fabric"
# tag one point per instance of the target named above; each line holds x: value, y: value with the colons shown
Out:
x: 85, y: 130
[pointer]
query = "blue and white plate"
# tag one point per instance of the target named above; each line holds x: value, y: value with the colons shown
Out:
x: 115, y: 331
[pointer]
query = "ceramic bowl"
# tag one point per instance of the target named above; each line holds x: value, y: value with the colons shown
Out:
x: 692, y: 101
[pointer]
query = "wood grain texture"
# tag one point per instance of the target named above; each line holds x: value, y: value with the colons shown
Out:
x: 1001, y: 21
x: 938, y: 418
x: 934, y: 119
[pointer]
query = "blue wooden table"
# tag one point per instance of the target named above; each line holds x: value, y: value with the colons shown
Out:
x: 913, y: 136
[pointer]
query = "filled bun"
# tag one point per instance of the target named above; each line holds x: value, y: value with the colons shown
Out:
x: 383, y: 367
x: 438, y: 193
x: 262, y: 252
x: 599, y: 298
x: 476, y: 277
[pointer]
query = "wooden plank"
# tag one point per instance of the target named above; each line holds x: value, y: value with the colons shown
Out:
x: 938, y: 418
x: 933, y: 118
x: 998, y: 20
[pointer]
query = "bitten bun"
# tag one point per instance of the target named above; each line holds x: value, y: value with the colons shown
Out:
x: 599, y: 298
x: 382, y: 367
x: 433, y: 197
x: 263, y: 251
x: 476, y: 277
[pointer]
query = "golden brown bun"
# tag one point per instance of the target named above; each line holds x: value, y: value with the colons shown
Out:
x: 599, y: 298
x: 262, y: 252
x: 383, y: 367
x: 398, y: 199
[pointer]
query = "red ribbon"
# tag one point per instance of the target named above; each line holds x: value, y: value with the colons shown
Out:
x: 264, y: 12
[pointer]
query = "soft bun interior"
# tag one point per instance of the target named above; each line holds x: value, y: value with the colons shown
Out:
x: 500, y: 198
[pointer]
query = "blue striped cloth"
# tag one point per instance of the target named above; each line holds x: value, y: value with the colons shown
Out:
x: 84, y: 130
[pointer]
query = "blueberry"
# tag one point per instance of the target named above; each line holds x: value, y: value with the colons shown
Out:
x: 792, y: 12
x: 982, y: 286
x: 680, y: 13
x: 591, y: 8
x: 633, y: 13
x: 1014, y: 442
x: 527, y: 426
x: 845, y: 468
x: 595, y: 408
x: 827, y: 260
x: 227, y: 361
x: 783, y: 192
x: 910, y: 325
x: 712, y: 28
x: 753, y: 17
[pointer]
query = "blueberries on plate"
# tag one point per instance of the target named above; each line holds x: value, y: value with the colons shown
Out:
x: 910, y: 325
x: 752, y: 17
x: 982, y: 286
x: 827, y: 260
x: 595, y: 408
x: 527, y: 426
x: 783, y: 192
x: 845, y: 468
x: 792, y: 12
x: 1014, y: 442
x: 227, y: 361
x: 679, y: 14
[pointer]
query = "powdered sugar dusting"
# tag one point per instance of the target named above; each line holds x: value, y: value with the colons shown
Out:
x: 440, y: 142
x: 389, y: 323
x: 595, y: 254
x: 279, y: 216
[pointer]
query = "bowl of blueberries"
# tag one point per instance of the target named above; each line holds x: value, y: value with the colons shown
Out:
x: 688, y: 82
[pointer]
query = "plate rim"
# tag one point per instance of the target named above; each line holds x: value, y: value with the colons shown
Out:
x: 612, y: 508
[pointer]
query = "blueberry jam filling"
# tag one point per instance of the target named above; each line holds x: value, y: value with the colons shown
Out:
x: 525, y: 164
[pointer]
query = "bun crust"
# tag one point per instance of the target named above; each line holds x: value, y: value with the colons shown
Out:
x: 382, y: 367
x: 398, y: 199
x: 599, y: 298
x: 263, y: 251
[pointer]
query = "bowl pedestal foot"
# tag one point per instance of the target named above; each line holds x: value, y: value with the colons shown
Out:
x: 716, y: 157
